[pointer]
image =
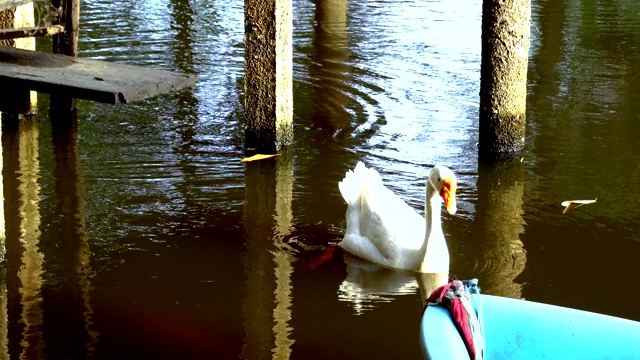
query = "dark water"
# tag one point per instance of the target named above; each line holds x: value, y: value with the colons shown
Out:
x: 142, y: 235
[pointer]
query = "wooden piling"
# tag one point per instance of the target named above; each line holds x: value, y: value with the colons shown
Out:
x: 65, y: 43
x: 503, y: 77
x: 268, y: 80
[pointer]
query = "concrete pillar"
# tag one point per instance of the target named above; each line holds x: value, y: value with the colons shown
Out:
x: 268, y: 75
x: 503, y: 77
x: 24, y: 17
x: 17, y: 102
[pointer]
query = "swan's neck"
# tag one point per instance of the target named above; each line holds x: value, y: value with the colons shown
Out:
x: 432, y: 206
x: 434, y: 249
x: 432, y: 215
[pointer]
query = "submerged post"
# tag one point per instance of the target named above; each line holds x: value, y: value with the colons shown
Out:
x: 66, y: 43
x: 268, y: 28
x: 503, y: 77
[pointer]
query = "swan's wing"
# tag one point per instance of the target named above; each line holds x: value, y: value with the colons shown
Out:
x: 380, y: 225
x: 388, y: 223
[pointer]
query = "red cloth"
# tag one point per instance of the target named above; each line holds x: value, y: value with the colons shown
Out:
x: 452, y: 295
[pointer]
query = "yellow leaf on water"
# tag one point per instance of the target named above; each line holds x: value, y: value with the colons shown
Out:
x: 258, y: 157
x: 572, y: 204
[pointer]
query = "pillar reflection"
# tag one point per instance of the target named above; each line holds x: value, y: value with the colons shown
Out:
x: 4, y: 314
x: 258, y: 224
x: 25, y: 261
x: 329, y: 70
x: 74, y: 244
x: 186, y: 102
x: 30, y: 273
x: 283, y: 255
x: 500, y: 223
x: 4, y: 296
x: 267, y: 221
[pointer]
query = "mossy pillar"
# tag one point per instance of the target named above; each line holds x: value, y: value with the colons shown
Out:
x: 503, y: 77
x: 268, y: 82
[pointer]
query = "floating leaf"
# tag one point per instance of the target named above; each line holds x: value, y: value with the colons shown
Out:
x: 572, y: 204
x: 258, y: 157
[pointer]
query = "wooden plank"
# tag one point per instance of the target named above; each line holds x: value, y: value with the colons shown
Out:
x: 8, y: 4
x: 30, y: 32
x: 80, y: 78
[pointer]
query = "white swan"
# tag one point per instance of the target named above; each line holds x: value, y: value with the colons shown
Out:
x: 383, y: 229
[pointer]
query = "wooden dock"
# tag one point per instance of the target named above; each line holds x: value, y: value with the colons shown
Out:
x: 80, y: 78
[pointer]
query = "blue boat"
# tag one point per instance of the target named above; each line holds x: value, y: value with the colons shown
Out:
x: 521, y: 329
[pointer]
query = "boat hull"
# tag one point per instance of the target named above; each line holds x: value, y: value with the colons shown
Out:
x: 520, y: 329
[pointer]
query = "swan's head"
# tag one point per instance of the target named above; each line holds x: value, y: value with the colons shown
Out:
x: 444, y: 182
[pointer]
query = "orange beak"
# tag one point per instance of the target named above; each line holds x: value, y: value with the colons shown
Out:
x: 448, y: 194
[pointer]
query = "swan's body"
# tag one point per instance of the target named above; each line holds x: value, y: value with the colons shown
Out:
x: 383, y: 229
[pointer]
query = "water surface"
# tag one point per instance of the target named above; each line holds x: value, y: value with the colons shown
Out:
x: 141, y: 234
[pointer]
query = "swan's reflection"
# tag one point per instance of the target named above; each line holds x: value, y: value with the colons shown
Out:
x: 367, y: 284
